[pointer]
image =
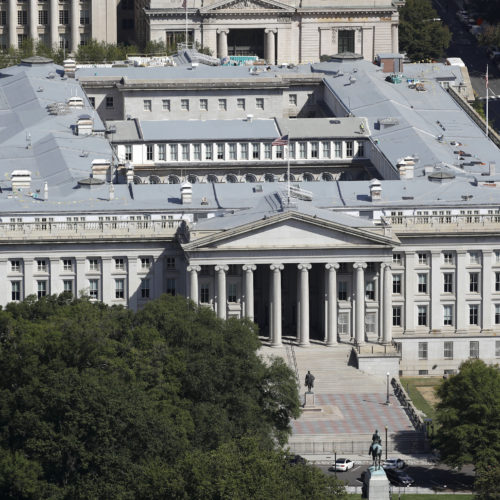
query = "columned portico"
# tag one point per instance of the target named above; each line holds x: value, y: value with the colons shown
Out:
x: 360, y: 302
x: 275, y: 320
x: 303, y: 304
x: 331, y: 304
x: 249, y: 298
x: 221, y: 271
x: 193, y: 282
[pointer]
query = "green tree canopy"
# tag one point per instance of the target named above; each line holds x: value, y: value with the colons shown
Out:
x: 421, y: 34
x: 170, y: 402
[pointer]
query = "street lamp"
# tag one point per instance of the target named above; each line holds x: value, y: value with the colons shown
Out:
x: 386, y: 442
x: 387, y: 401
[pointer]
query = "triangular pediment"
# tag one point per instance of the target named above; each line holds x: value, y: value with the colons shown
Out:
x: 247, y: 5
x: 290, y: 231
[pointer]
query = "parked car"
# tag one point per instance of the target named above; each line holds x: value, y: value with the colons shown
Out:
x: 399, y: 477
x: 297, y: 460
x: 342, y: 464
x: 393, y: 463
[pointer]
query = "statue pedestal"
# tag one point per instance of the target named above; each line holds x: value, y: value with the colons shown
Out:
x: 309, y: 404
x: 376, y: 484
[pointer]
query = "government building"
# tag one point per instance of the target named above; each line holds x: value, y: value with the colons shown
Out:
x: 330, y: 203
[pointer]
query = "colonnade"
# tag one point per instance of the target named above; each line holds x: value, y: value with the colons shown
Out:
x: 269, y: 44
x: 303, y: 295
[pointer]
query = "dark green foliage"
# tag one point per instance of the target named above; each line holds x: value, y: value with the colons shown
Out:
x: 421, y: 35
x: 100, y: 402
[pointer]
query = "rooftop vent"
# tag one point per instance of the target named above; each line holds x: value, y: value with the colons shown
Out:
x: 75, y: 102
x: 257, y: 189
x: 186, y: 193
x: 375, y: 190
x: 204, y: 201
x: 249, y: 118
x: 388, y: 122
x: 492, y: 167
x: 58, y: 108
x: 440, y: 176
x: 21, y: 180
x: 90, y: 183
x: 101, y: 169
x: 466, y: 197
x: 129, y: 172
x: 84, y: 125
x: 69, y: 68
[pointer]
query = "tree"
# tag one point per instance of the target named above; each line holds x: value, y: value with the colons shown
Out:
x: 421, y: 34
x: 468, y: 415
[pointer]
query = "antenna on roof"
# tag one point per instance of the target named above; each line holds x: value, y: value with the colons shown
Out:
x: 28, y: 140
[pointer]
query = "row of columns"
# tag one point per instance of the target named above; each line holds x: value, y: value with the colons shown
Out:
x: 269, y: 46
x: 275, y: 299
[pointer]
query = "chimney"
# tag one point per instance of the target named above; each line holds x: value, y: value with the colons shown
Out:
x: 69, y: 68
x: 45, y: 191
x: 492, y: 167
x: 129, y: 172
x: 21, y: 180
x: 186, y: 193
x: 111, y: 192
x: 84, y: 125
x: 101, y: 169
x: 375, y: 190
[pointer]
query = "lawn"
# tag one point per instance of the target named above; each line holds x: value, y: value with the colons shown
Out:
x: 411, y: 386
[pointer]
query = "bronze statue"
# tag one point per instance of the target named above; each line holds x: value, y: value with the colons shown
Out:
x: 309, y: 381
x: 376, y: 437
x: 376, y: 449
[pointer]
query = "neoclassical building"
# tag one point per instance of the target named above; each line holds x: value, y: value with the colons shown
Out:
x: 278, y: 32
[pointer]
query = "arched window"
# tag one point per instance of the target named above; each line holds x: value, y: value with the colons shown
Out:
x: 173, y: 179
x: 308, y: 177
x: 250, y: 178
x: 327, y: 176
x: 269, y: 177
x: 154, y: 179
x: 137, y: 179
x: 193, y: 179
x: 231, y: 178
x: 212, y: 178
x: 292, y: 177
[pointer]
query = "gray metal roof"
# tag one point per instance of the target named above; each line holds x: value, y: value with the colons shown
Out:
x: 323, y: 128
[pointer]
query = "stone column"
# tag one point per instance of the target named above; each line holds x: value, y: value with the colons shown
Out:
x: 275, y: 322
x: 387, y: 306
x: 134, y: 283
x: 107, y: 282
x: 13, y: 23
x: 221, y: 271
x: 222, y: 43
x: 54, y: 23
x: 55, y: 283
x: 33, y: 20
x: 6, y: 290
x: 395, y: 39
x: 80, y: 284
x: 331, y: 304
x: 249, y: 299
x: 462, y: 282
x: 303, y: 304
x: 193, y: 282
x: 435, y: 289
x: 270, y: 47
x: 378, y: 285
x: 487, y: 285
x: 29, y: 285
x: 360, y: 302
x: 409, y: 317
x: 75, y: 25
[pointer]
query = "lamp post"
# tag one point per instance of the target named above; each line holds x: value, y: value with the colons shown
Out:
x: 386, y: 442
x: 387, y: 402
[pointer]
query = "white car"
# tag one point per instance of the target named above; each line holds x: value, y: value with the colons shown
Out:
x: 342, y: 464
x: 393, y: 463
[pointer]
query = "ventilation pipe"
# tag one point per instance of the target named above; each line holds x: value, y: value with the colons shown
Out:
x: 375, y: 190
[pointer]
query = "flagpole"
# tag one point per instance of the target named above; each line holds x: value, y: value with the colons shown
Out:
x: 487, y: 110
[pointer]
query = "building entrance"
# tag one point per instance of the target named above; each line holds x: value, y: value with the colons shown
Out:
x: 246, y: 42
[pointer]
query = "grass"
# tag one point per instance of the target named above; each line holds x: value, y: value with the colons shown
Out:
x: 433, y: 496
x: 411, y: 384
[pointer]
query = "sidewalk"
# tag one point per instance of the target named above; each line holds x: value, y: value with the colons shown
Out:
x: 423, y: 459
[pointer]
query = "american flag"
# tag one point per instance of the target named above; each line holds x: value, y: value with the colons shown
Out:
x: 281, y: 141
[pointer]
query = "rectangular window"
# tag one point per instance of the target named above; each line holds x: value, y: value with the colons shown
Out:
x: 128, y: 152
x: 3, y: 18
x: 342, y: 290
x: 291, y: 149
x: 240, y: 103
x: 473, y: 314
x: 84, y: 38
x: 422, y: 350
x: 473, y: 282
x: 422, y: 315
x: 292, y: 99
x: 396, y: 258
x: 474, y: 258
x: 422, y: 258
x: 325, y: 149
x: 259, y: 103
x: 171, y: 263
x: 173, y: 152
x: 396, y: 316
x: 120, y: 264
x: 149, y: 152
x: 497, y: 282
x: 162, y: 152
x: 145, y: 288
x: 41, y: 288
x: 222, y: 105
x: 448, y: 282
x: 302, y: 150
x: 337, y: 148
x: 208, y: 151
x: 92, y: 101
x: 22, y: 17
x: 314, y: 150
x: 171, y: 286
x: 370, y: 291
x: 68, y: 286
x: 448, y: 315
x: 165, y: 104
x: 94, y: 289
x: 220, y: 151
x: 148, y: 106
x: 145, y: 263
x: 185, y: 104
x: 474, y: 349
x: 497, y: 256
x: 422, y: 283
x: 497, y: 348
x: 197, y: 152
x: 204, y: 104
x: 396, y: 284
x: 346, y: 41
x: 361, y: 149
x: 349, y: 149
x: 255, y: 151
x: 232, y: 292
x: 204, y: 293
x: 64, y: 17
x: 448, y: 350
x: 109, y: 102
x: 15, y: 290
x: 343, y: 323
x: 41, y: 265
x: 84, y: 17
x: 370, y: 322
x: 232, y: 150
x: 267, y: 150
x: 93, y: 264
x: 279, y: 152
x: 67, y: 265
x: 448, y: 257
x: 119, y: 288
x: 15, y: 266
x: 244, y: 150
x: 43, y: 17
x: 185, y: 152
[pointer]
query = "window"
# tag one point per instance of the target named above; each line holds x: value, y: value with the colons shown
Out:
x: 204, y: 104
x: 232, y: 292
x: 448, y: 350
x: 94, y: 289
x: 3, y: 18
x: 244, y: 151
x: 41, y: 288
x: 497, y: 256
x: 185, y: 152
x: 396, y: 316
x: 162, y: 152
x: 396, y: 258
x: 448, y: 315
x: 423, y: 372
x: 279, y: 152
x: 15, y: 266
x: 204, y: 293
x: 448, y: 282
x: 448, y: 257
x: 84, y: 39
x: 197, y: 152
x: 22, y: 17
x: 173, y: 152
x: 109, y: 102
x: 94, y: 264
x: 342, y: 290
x: 220, y: 151
x: 165, y: 104
x: 15, y: 287
x: 337, y: 148
x: 370, y: 291
x: 43, y: 17
x: 422, y: 350
x: 497, y: 314
x: 396, y: 284
x: 291, y: 149
x: 302, y: 150
x: 208, y: 151
x: 349, y: 149
x: 68, y: 286
x: 120, y: 264
x: 259, y: 103
x: 361, y: 149
x: 147, y: 105
x: 292, y: 99
x: 145, y: 288
x: 497, y: 282
x: 267, y: 150
x: 314, y: 150
x: 474, y: 349
x: 474, y: 258
x: 473, y: 314
x: 422, y: 258
x: 21, y: 39
x: 473, y: 282
x: 422, y: 283
x: 370, y: 322
x: 128, y: 152
x: 325, y: 149
x: 67, y: 265
x: 171, y: 286
x: 222, y: 105
x: 185, y: 104
x: 84, y: 17
x: 119, y: 288
x: 422, y: 315
x: 171, y: 263
x: 343, y: 323
x: 64, y: 17
x: 346, y: 41
x: 255, y: 151
x: 92, y: 101
x: 232, y: 151
x: 41, y: 265
x: 149, y: 152
x: 240, y: 103
x: 145, y: 263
